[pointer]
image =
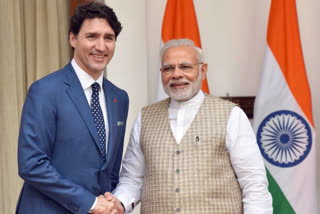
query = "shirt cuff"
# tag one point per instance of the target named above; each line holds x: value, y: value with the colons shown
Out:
x: 128, y: 208
x: 93, y: 205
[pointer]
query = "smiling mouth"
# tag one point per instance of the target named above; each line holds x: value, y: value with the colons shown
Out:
x: 178, y: 86
x: 98, y: 55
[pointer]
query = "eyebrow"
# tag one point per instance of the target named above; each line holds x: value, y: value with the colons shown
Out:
x: 110, y: 34
x: 95, y: 33
x: 181, y: 63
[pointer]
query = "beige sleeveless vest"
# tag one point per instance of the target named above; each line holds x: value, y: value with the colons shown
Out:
x: 194, y: 176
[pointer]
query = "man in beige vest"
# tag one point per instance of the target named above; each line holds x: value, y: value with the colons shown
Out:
x: 192, y: 152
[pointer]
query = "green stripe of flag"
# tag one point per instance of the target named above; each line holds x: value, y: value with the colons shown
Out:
x: 279, y: 200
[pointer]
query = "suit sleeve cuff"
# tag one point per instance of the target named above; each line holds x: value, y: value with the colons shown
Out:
x: 93, y: 205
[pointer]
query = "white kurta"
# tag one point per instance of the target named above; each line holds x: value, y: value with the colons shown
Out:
x: 241, y: 144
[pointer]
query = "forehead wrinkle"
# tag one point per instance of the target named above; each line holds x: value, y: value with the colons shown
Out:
x: 179, y: 55
x: 96, y: 26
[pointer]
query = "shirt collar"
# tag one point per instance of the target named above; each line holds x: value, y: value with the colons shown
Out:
x: 85, y: 79
x: 198, y: 98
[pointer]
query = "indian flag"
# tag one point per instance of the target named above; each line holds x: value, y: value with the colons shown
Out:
x: 283, y: 116
x: 179, y: 22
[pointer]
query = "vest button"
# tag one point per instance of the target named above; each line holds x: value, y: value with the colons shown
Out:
x: 177, y: 170
x: 178, y: 152
x: 178, y: 210
x: 177, y: 190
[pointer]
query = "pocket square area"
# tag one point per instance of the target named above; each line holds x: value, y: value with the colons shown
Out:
x: 120, y: 123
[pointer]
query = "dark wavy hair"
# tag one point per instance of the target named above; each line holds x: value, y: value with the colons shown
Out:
x: 91, y: 10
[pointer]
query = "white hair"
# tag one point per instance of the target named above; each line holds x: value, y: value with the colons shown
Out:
x: 183, y: 42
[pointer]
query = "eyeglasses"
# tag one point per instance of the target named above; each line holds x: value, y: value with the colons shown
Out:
x: 184, y: 67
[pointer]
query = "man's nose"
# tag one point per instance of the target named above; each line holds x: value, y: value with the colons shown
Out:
x: 100, y: 45
x: 177, y: 72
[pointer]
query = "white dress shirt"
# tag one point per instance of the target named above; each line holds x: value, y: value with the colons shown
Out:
x: 86, y: 81
x: 241, y: 144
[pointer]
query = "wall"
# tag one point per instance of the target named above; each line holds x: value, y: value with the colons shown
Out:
x: 233, y: 35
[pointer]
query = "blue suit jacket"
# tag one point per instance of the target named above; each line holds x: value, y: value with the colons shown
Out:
x: 59, y: 156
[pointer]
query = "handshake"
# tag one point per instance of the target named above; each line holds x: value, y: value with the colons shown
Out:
x: 107, y: 204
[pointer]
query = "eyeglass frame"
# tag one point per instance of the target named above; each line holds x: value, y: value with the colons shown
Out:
x: 180, y: 67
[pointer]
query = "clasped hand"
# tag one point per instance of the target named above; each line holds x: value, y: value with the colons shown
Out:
x: 107, y: 204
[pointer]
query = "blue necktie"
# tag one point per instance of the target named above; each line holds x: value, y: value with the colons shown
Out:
x: 98, y: 117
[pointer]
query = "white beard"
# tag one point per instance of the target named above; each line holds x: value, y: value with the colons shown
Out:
x: 186, y: 93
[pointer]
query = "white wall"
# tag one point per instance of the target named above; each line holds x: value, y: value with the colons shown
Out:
x: 233, y: 35
x: 128, y: 68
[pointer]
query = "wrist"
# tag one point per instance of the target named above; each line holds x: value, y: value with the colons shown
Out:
x: 93, y: 205
x: 124, y: 208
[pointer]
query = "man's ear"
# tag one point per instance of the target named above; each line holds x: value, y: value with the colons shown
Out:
x: 204, y: 69
x: 72, y: 39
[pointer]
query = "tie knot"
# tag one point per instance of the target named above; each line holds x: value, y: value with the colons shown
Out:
x: 95, y: 87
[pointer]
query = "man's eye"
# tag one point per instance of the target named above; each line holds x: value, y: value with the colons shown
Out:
x: 185, y: 67
x: 109, y: 38
x: 169, y: 68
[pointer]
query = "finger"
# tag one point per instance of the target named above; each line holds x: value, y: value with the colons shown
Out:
x: 114, y: 212
x: 108, y: 196
x: 120, y: 208
x: 111, y: 207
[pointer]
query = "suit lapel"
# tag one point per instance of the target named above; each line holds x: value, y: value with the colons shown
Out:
x: 111, y: 111
x: 76, y: 94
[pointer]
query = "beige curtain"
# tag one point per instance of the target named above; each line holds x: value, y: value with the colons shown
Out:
x: 33, y: 43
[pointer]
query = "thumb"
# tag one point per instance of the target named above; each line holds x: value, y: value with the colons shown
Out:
x: 108, y: 196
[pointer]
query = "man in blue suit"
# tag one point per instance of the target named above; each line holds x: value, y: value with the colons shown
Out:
x: 73, y: 125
